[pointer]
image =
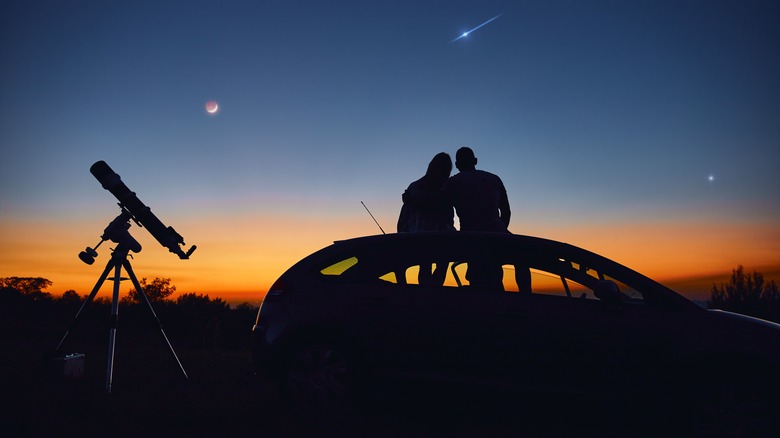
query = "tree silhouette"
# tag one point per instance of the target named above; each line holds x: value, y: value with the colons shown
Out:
x: 199, y: 300
x: 246, y: 305
x: 749, y: 294
x: 159, y: 289
x: 70, y: 297
x: 26, y: 285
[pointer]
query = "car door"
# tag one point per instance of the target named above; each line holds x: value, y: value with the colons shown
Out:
x: 567, y: 340
x: 425, y: 316
x: 412, y: 323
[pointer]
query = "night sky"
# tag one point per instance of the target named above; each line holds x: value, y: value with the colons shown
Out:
x: 646, y: 131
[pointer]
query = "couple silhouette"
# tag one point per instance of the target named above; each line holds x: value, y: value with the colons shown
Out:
x: 478, y: 197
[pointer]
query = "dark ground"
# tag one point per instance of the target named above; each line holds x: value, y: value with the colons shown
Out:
x: 222, y: 397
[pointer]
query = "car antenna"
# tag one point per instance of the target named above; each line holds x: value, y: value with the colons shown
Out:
x: 372, y: 217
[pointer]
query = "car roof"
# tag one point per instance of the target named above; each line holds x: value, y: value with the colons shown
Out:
x: 465, y: 238
x: 452, y: 236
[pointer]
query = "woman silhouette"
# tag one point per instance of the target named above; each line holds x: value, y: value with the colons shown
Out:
x: 425, y: 208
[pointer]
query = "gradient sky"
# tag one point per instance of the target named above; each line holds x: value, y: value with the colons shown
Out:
x: 605, y: 120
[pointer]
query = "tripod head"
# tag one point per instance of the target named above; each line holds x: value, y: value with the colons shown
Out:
x: 117, y: 231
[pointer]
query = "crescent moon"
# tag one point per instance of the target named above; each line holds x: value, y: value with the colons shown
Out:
x: 212, y: 107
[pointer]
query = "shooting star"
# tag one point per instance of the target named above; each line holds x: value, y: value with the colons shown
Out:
x: 465, y: 34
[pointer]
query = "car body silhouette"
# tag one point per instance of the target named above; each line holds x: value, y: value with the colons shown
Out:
x: 511, y: 312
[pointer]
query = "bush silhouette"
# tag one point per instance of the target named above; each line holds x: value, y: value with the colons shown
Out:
x: 159, y: 289
x: 749, y: 294
x: 192, y: 320
x: 70, y: 297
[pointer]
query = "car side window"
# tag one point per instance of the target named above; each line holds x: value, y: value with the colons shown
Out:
x: 339, y: 267
x: 570, y: 279
x: 433, y: 274
x: 547, y: 283
x: 502, y: 270
x: 630, y: 295
x: 456, y: 274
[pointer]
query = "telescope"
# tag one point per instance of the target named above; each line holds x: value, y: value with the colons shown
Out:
x: 132, y: 208
x: 117, y: 231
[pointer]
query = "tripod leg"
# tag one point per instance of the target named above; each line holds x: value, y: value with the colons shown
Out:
x: 138, y: 287
x: 114, y: 324
x: 86, y: 302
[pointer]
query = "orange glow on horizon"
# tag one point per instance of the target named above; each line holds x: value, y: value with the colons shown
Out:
x: 237, y: 262
x: 686, y: 256
x: 238, y: 258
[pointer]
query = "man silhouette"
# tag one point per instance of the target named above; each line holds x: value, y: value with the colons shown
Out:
x: 479, y: 197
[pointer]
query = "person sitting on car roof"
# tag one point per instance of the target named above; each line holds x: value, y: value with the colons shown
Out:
x: 479, y: 197
x: 425, y: 207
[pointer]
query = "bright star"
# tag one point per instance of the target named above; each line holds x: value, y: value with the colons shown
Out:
x: 711, y: 178
x: 465, y: 34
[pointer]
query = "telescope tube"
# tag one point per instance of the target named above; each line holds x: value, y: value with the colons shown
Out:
x: 167, y: 236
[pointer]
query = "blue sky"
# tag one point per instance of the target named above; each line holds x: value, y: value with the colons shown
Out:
x: 594, y: 113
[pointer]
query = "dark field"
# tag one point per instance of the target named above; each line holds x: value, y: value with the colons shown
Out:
x: 222, y: 397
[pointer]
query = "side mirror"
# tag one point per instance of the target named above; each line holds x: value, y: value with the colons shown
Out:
x: 608, y: 292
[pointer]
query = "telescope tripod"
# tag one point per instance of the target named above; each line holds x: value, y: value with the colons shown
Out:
x: 117, y: 262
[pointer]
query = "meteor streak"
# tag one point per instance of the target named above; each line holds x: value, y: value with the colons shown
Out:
x: 465, y: 34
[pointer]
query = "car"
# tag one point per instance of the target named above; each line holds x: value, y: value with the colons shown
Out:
x: 511, y: 312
